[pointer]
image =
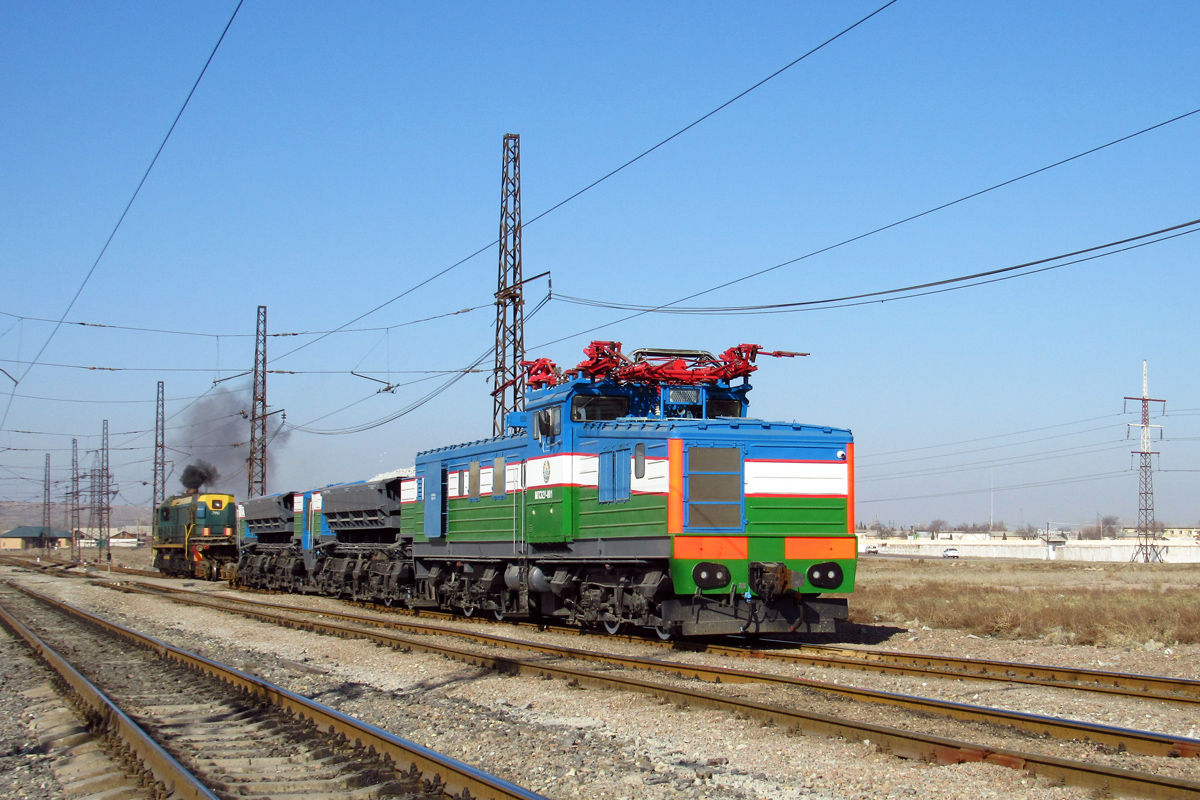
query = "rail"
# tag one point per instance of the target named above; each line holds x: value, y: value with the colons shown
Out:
x: 456, y: 776
x: 899, y: 742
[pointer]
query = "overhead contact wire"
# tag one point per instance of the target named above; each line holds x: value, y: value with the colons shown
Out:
x: 605, y: 177
x: 881, y: 229
x: 124, y: 213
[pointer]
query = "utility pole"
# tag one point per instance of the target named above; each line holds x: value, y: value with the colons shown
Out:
x: 508, y: 393
x: 73, y: 502
x: 46, y: 508
x: 1147, y: 551
x: 256, y: 463
x: 93, y: 497
x: 160, y: 454
x: 105, y: 505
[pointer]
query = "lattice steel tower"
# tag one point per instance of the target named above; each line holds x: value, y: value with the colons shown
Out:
x: 46, y: 507
x: 1147, y: 550
x: 160, y: 455
x: 73, y: 500
x: 509, y: 377
x: 256, y: 464
x: 104, y: 504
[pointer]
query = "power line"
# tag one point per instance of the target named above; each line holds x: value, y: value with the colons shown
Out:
x: 844, y: 301
x: 724, y: 105
x: 604, y: 177
x: 881, y: 229
x: 130, y: 433
x: 360, y: 401
x: 165, y: 331
x: 100, y: 402
x: 859, y: 457
x: 392, y: 417
x: 136, y: 191
x: 985, y: 449
x: 219, y: 371
x: 402, y: 412
x: 1099, y: 476
x: 1009, y: 461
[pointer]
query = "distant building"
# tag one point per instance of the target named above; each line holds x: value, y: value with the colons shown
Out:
x: 34, y: 537
x: 1172, y: 533
x: 126, y: 539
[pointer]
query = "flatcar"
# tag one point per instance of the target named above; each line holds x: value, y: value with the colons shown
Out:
x: 196, y: 534
x: 632, y: 491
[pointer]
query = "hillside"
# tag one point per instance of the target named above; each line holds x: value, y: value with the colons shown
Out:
x: 13, y: 514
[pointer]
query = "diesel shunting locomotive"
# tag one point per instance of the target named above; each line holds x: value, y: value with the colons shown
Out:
x: 195, y: 534
x: 633, y: 490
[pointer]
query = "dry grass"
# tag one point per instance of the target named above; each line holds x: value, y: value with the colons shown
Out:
x: 1078, y: 616
x: 1111, y: 604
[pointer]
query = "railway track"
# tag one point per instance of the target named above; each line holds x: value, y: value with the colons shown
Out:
x: 58, y: 566
x: 197, y: 729
x: 1176, y: 690
x: 886, y: 662
x: 1170, y: 690
x: 902, y: 743
x: 1142, y: 687
x: 1125, y: 684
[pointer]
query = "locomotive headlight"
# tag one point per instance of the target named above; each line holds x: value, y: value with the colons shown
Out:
x: 841, y: 454
x: 825, y: 576
x: 708, y: 575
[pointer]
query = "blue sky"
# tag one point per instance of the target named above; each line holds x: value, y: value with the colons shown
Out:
x: 337, y: 154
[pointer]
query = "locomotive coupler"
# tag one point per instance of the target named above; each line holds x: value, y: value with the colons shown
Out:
x: 769, y: 579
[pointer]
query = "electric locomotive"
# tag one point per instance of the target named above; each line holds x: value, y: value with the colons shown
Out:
x: 195, y: 534
x: 631, y: 491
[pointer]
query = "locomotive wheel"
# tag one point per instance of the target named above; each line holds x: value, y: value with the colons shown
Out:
x: 662, y: 633
x: 468, y: 611
x: 613, y: 628
x: 498, y: 615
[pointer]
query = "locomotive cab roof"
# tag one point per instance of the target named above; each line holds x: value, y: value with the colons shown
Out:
x: 649, y: 383
x: 583, y: 400
x: 221, y: 499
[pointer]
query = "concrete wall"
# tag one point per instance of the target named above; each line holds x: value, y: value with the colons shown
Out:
x: 1173, y: 551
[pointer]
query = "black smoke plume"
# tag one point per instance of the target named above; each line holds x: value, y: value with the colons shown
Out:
x: 216, y: 428
x: 197, y: 474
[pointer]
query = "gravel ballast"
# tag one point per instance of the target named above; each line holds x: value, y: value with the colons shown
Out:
x: 564, y: 742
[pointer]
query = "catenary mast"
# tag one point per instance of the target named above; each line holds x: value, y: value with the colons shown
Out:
x: 256, y: 464
x: 509, y: 376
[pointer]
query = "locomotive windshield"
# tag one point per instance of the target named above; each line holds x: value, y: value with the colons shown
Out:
x: 599, y: 407
x: 724, y: 408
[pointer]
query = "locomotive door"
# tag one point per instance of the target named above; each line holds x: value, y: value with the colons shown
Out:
x: 437, y: 500
x: 546, y: 487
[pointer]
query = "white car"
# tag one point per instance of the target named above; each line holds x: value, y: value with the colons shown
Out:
x: 950, y: 552
x: 872, y: 550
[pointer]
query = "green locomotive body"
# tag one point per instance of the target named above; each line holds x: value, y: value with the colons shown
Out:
x: 195, y: 535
